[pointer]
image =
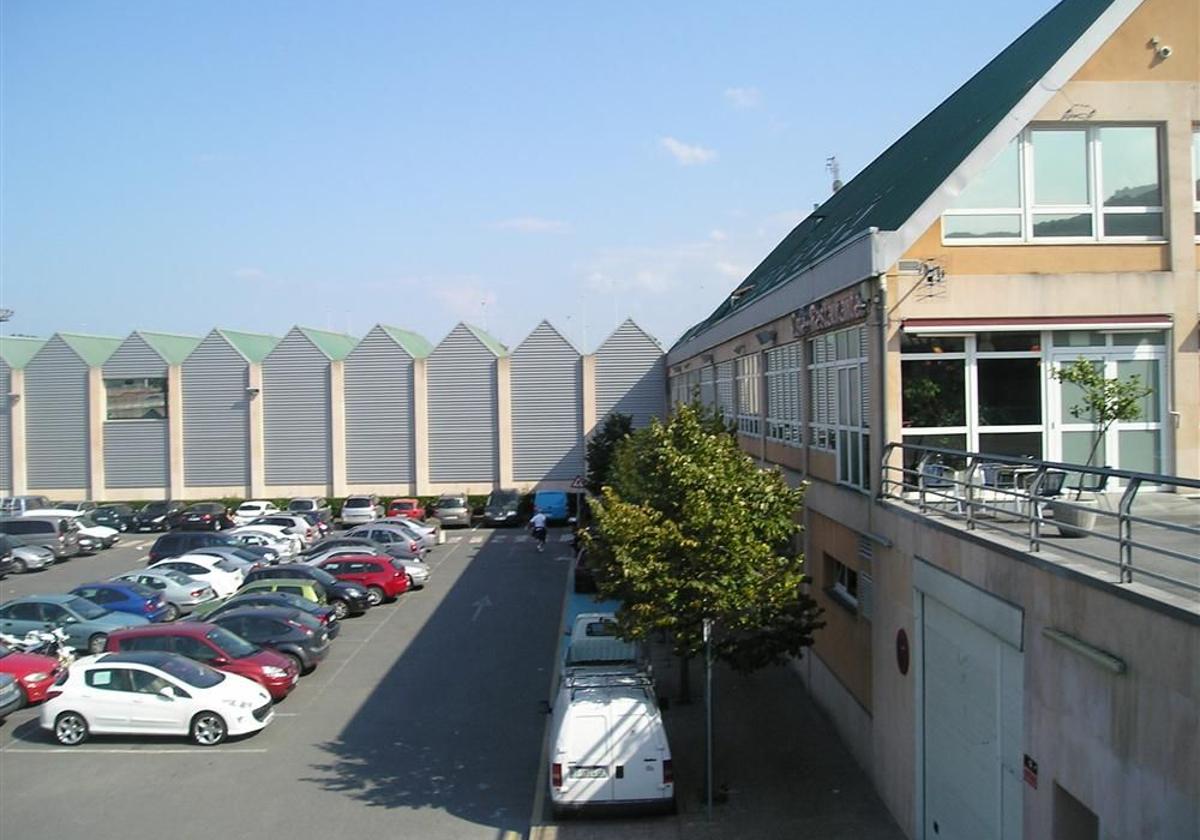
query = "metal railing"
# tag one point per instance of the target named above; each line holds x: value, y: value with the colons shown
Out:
x: 1099, y: 516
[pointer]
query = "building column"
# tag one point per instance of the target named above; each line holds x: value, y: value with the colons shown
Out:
x: 337, y: 427
x: 589, y: 396
x: 504, y: 419
x: 1182, y: 425
x: 16, y: 419
x: 258, y: 461
x: 97, y: 410
x: 175, y: 431
x: 420, y: 427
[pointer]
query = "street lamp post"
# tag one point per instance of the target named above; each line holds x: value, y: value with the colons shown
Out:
x: 708, y: 712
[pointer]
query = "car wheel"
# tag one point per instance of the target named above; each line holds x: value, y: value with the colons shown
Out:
x: 19, y: 567
x: 340, y: 608
x: 97, y: 642
x: 412, y: 584
x: 209, y: 729
x: 172, y: 613
x: 374, y: 596
x: 296, y: 660
x: 70, y: 729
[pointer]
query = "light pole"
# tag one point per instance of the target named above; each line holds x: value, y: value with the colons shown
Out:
x: 708, y: 726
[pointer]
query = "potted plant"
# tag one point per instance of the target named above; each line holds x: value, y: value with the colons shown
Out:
x: 1104, y: 402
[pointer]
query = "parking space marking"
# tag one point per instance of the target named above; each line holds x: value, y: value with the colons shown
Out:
x: 476, y: 540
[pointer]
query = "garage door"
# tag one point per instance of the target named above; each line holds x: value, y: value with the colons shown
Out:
x: 973, y: 687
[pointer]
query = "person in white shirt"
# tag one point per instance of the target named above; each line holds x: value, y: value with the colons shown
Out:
x: 537, y: 524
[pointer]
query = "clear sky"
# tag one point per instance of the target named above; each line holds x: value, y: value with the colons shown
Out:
x: 183, y: 165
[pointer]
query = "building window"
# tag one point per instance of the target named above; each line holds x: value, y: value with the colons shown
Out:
x: 725, y: 392
x: 136, y: 399
x: 785, y: 412
x: 749, y: 421
x: 839, y: 401
x: 1065, y: 183
x: 842, y: 582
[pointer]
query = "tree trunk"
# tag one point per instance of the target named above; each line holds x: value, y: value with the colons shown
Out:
x: 685, y: 681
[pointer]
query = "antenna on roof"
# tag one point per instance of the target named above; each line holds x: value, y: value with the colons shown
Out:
x: 831, y: 166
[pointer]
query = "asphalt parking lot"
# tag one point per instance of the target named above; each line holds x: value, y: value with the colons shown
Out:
x: 425, y: 721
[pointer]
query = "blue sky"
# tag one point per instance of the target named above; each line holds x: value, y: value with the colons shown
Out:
x: 178, y: 166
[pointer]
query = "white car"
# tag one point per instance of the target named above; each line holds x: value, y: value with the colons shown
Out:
x: 417, y: 570
x: 292, y: 523
x: 248, y: 511
x: 153, y: 693
x: 274, y: 537
x: 87, y: 526
x: 224, y: 577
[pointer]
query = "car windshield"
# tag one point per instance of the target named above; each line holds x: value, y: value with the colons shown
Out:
x: 86, y: 520
x: 501, y: 499
x: 176, y: 576
x: 302, y: 504
x: 235, y: 646
x: 250, y: 507
x: 16, y: 542
x: 141, y: 590
x: 357, y: 502
x: 207, y: 507
x: 155, y: 508
x: 243, y: 554
x: 85, y: 608
x: 224, y: 565
x: 323, y: 576
x: 191, y: 672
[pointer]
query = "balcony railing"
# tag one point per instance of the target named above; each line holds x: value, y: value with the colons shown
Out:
x: 1127, y: 525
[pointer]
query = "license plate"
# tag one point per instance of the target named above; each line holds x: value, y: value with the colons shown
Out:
x: 588, y: 773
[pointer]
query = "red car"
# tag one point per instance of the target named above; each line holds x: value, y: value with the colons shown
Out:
x: 382, y: 579
x: 214, y: 646
x: 32, y: 671
x: 410, y: 508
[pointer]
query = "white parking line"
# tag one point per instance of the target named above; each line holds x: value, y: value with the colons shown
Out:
x: 476, y: 540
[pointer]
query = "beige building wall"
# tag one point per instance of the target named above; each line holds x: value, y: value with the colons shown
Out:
x: 175, y: 476
x: 97, y: 408
x: 337, y: 427
x: 421, y: 426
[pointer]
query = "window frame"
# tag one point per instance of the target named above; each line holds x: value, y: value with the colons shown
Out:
x: 114, y: 382
x: 786, y: 404
x: 830, y: 415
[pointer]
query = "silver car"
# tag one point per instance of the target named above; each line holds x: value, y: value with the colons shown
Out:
x: 425, y: 535
x: 29, y: 558
x: 453, y: 510
x: 181, y: 591
x: 401, y: 541
x: 357, y: 510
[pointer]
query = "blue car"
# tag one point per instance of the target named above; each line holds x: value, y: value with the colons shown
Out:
x: 87, y: 625
x: 127, y: 597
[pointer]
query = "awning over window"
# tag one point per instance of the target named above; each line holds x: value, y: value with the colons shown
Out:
x: 936, y: 326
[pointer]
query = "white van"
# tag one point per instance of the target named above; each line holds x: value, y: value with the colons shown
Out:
x: 593, y: 643
x: 608, y: 744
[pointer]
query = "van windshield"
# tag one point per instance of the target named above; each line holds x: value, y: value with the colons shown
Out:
x: 503, y: 499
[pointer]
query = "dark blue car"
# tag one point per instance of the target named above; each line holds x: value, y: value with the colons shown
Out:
x: 126, y: 597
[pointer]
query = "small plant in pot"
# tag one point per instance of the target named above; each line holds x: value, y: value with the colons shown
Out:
x: 1103, y: 402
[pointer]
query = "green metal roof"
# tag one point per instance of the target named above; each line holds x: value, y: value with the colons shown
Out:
x: 17, y: 350
x: 93, y: 349
x: 172, y: 347
x: 488, y: 341
x: 254, y: 346
x: 335, y: 345
x: 891, y: 188
x: 415, y: 345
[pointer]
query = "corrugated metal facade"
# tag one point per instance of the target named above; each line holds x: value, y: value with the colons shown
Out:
x: 547, y: 409
x: 296, y: 421
x: 630, y: 376
x: 5, y: 429
x: 379, y: 411
x: 56, y: 418
x: 216, y: 419
x: 463, y: 420
x: 135, y: 451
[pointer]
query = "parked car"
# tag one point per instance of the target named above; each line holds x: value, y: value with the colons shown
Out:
x: 311, y: 504
x: 158, y: 516
x: 268, y: 537
x: 405, y: 543
x: 33, y: 672
x: 181, y: 542
x: 11, y: 697
x: 427, y: 535
x: 502, y: 508
x: 452, y: 510
x: 206, y: 516
x: 303, y: 588
x: 182, y: 593
x: 126, y: 597
x: 345, y: 598
x: 317, y: 522
x: 100, y: 535
x: 25, y: 557
x: 57, y: 533
x: 87, y: 625
x: 239, y: 556
x: 220, y: 574
x: 418, y: 570
x: 250, y: 510
x: 114, y: 516
x: 407, y: 508
x: 153, y: 693
x: 17, y: 505
x: 382, y: 580
x: 292, y: 633
x: 6, y: 556
x: 81, y: 507
x: 359, y: 509
x: 292, y: 523
x: 252, y: 595
x: 553, y: 503
x: 214, y: 646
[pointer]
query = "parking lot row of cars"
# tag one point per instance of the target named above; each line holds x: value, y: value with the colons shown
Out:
x: 209, y: 634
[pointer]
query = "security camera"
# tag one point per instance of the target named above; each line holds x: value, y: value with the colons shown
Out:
x: 1165, y: 51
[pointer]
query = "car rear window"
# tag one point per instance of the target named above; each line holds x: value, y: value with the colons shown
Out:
x: 450, y: 502
x: 357, y: 502
x: 302, y: 504
x: 249, y: 507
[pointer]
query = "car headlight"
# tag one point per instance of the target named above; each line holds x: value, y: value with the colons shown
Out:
x: 274, y: 673
x: 240, y: 704
x: 35, y: 677
x: 354, y: 590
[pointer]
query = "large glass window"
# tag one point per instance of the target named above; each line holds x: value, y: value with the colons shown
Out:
x: 1066, y: 183
x: 136, y: 399
x: 749, y: 422
x: 785, y: 412
x: 839, y: 400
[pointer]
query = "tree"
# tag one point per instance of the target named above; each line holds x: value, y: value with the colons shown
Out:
x: 1102, y: 401
x: 600, y: 449
x: 691, y: 528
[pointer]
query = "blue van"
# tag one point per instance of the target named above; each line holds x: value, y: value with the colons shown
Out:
x: 553, y: 503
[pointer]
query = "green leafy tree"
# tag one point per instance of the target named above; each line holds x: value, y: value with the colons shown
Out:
x: 691, y: 528
x: 1102, y: 401
x: 601, y: 448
